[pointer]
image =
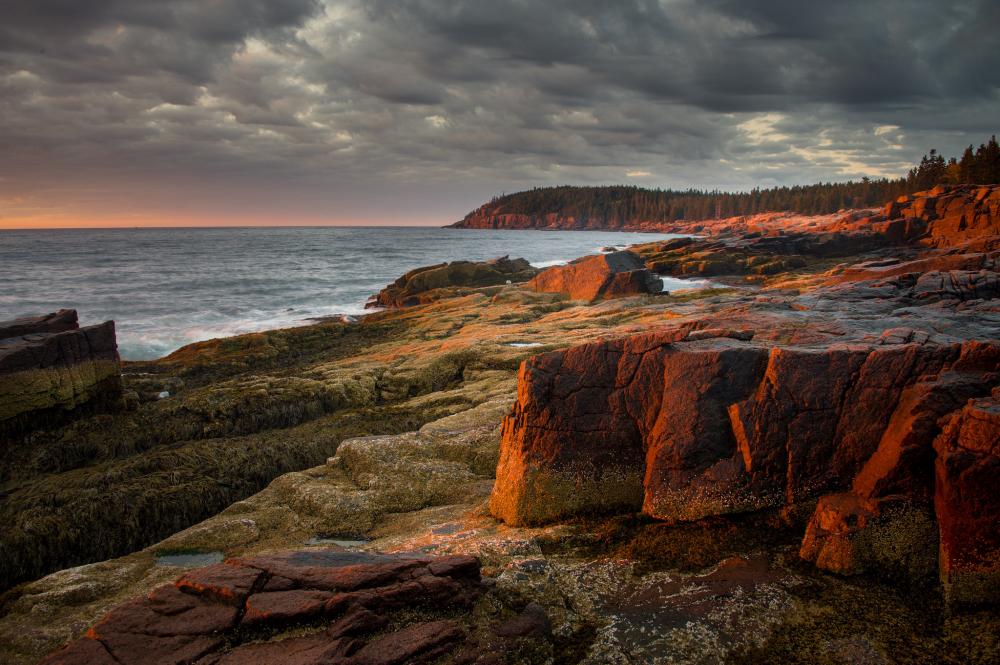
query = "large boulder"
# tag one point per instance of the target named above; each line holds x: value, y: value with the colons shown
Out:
x: 610, y: 275
x: 49, y: 365
x: 418, y: 285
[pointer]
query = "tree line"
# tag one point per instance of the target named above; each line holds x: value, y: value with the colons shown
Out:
x: 622, y: 203
x: 980, y: 166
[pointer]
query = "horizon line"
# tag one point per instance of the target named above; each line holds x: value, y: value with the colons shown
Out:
x: 224, y: 226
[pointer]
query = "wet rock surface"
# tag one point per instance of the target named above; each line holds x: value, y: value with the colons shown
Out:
x: 242, y: 411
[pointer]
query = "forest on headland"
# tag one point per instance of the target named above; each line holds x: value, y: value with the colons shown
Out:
x: 976, y: 166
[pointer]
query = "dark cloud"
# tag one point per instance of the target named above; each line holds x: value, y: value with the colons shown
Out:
x: 313, y: 109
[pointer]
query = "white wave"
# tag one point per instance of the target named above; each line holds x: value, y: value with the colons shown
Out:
x: 549, y: 264
x: 163, y: 336
x: 675, y: 284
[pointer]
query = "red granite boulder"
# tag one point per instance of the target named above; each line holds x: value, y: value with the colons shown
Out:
x: 610, y: 275
x: 696, y: 428
x: 887, y: 521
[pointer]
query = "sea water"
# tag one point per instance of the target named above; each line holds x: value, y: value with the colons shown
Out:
x: 169, y: 287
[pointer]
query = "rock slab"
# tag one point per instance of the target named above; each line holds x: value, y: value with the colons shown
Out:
x: 967, y: 502
x: 307, y: 607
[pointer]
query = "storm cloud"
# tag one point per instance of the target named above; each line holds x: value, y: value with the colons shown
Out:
x: 413, y: 111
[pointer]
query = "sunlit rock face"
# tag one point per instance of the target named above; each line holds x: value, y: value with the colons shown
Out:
x: 948, y: 215
x: 684, y: 428
x: 967, y: 501
x: 610, y: 275
x: 49, y: 365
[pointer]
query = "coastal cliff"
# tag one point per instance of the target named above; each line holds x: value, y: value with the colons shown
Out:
x: 893, y: 427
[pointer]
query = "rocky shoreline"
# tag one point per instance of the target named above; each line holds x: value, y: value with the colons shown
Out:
x: 794, y: 465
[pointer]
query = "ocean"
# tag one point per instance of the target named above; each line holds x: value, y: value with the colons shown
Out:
x: 169, y: 287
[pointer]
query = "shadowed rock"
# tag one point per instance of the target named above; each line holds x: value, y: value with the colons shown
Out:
x: 418, y: 285
x: 49, y: 367
x: 61, y: 321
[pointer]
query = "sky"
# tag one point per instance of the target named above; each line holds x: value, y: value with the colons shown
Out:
x: 248, y: 112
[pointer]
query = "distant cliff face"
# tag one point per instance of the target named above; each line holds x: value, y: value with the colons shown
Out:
x: 569, y: 208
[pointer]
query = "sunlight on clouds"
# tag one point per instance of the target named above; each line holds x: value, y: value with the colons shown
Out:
x: 761, y: 129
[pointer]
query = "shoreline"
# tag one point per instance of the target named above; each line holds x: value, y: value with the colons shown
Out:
x: 166, y: 290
